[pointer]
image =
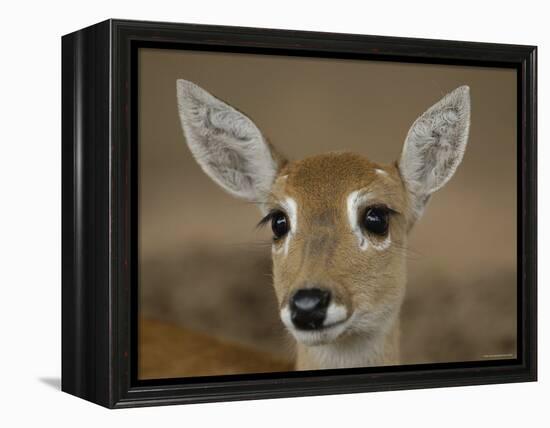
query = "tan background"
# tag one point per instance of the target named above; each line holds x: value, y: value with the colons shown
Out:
x: 205, y: 267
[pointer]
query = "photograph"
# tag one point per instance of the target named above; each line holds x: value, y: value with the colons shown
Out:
x: 301, y: 213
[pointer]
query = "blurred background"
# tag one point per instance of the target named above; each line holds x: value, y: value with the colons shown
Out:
x: 206, y: 302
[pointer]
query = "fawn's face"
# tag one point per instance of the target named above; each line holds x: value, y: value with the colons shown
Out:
x: 339, y: 221
x: 340, y: 228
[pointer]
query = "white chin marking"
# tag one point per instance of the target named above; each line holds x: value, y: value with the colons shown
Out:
x: 319, y: 337
x: 381, y: 172
x: 335, y: 314
x: 331, y: 329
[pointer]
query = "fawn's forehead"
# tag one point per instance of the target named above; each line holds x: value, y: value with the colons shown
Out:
x: 322, y: 183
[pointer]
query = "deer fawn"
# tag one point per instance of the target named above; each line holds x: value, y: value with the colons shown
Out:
x: 340, y: 221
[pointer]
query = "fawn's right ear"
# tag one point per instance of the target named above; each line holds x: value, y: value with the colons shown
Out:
x: 227, y: 145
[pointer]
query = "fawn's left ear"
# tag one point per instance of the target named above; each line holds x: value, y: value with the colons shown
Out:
x: 227, y: 144
x: 434, y: 147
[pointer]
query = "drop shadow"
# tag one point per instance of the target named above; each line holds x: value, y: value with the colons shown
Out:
x: 52, y: 382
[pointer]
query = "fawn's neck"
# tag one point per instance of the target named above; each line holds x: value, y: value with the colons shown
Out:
x: 355, y: 351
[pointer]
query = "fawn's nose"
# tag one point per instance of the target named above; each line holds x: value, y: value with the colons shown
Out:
x: 308, y: 308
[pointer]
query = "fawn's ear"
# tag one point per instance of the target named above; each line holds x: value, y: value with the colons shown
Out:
x: 226, y: 144
x: 435, y: 146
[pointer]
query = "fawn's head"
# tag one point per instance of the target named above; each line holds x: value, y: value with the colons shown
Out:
x: 340, y: 221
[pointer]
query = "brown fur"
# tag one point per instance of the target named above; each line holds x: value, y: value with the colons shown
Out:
x: 168, y: 350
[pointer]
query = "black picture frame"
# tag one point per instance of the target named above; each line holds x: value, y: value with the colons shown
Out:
x: 99, y: 206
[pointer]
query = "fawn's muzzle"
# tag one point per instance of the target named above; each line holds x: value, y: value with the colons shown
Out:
x: 308, y: 308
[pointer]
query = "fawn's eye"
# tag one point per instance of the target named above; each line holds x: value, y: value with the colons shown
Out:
x: 376, y: 220
x: 279, y: 224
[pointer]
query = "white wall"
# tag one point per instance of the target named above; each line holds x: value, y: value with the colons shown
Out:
x: 30, y: 210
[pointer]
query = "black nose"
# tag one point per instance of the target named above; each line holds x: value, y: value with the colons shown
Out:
x: 308, y: 308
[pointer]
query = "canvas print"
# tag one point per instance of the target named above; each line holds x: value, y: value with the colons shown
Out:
x: 307, y: 214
